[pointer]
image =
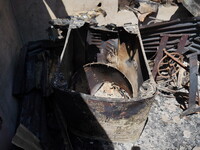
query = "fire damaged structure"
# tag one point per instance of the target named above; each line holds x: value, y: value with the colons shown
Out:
x: 98, y: 79
x: 109, y: 88
x: 92, y: 84
x: 174, y: 48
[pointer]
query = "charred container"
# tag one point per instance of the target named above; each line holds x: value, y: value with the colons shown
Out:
x: 104, y: 87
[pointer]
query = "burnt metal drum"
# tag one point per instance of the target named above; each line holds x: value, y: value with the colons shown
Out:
x: 103, y: 118
x: 92, y: 76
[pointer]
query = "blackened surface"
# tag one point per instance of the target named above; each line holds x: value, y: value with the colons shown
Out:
x: 90, y: 116
x: 83, y: 143
x: 97, y: 73
x: 32, y: 84
x: 1, y: 122
x: 96, y: 40
x: 152, y: 34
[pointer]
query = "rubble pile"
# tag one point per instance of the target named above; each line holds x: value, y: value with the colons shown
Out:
x: 100, y: 72
x: 166, y: 130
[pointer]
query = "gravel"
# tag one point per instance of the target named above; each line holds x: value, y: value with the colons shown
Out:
x: 165, y: 130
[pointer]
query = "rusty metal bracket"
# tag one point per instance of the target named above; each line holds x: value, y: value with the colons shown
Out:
x: 174, y: 58
x: 162, y: 47
x: 169, y: 65
x: 159, y: 55
x: 181, y: 45
x: 194, y: 67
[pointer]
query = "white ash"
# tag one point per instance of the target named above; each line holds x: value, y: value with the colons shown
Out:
x: 111, y: 90
x: 166, y: 130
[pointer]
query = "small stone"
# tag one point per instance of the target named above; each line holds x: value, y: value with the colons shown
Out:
x: 165, y: 130
x: 182, y: 148
x: 175, y: 144
x: 165, y: 118
x: 176, y: 119
x: 186, y: 134
x: 171, y: 107
x: 196, y: 148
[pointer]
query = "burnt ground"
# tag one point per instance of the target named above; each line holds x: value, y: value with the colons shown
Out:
x: 166, y: 131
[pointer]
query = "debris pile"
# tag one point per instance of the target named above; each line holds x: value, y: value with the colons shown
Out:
x: 111, y: 90
x: 100, y: 69
x: 166, y: 130
x: 172, y: 47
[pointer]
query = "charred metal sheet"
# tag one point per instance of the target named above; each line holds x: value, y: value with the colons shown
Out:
x: 181, y: 46
x: 1, y: 122
x: 193, y: 6
x: 193, y: 89
x: 25, y: 139
x: 118, y: 50
x: 193, y: 78
x: 152, y: 34
x: 159, y: 54
x: 64, y: 129
x: 106, y: 42
x: 32, y: 88
x: 90, y: 79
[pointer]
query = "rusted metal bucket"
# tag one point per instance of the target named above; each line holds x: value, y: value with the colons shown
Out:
x: 103, y: 118
x: 115, y: 57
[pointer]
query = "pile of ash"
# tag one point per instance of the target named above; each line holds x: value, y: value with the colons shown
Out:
x: 166, y: 130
